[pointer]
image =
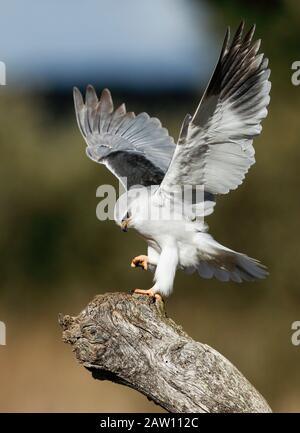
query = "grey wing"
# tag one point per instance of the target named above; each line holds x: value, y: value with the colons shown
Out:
x: 134, y: 147
x: 215, y: 144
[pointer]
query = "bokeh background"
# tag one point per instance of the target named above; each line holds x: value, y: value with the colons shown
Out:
x: 55, y: 255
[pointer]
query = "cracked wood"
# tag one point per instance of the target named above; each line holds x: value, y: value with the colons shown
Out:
x: 129, y: 339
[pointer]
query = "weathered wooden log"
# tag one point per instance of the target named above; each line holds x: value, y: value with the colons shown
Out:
x: 128, y: 339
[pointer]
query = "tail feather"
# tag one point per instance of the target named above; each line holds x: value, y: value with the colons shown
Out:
x: 241, y: 268
x: 250, y: 268
x: 225, y: 264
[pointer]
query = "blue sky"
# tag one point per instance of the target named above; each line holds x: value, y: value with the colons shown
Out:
x: 139, y: 43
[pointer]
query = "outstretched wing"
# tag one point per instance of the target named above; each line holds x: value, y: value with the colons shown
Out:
x: 134, y: 147
x: 215, y: 145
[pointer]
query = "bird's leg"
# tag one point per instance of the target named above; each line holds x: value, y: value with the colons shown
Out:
x: 150, y: 292
x: 140, y: 261
x: 166, y: 269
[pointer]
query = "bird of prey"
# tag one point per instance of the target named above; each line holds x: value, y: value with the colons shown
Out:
x: 214, y: 151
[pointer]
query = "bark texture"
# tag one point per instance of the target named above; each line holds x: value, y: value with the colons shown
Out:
x: 128, y: 339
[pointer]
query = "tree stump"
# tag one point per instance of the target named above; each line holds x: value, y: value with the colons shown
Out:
x: 128, y: 339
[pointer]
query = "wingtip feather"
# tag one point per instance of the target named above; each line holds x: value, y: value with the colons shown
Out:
x: 106, y: 101
x: 91, y: 98
x: 78, y: 99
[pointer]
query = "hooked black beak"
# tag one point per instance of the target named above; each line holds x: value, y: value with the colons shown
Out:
x: 124, y: 225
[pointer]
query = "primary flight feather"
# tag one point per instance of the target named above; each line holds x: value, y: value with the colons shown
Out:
x: 213, y: 154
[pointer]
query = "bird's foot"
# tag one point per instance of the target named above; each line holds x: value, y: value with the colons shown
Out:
x: 150, y: 292
x: 140, y: 261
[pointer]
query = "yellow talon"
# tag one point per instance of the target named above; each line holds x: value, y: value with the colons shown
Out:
x: 149, y: 292
x: 140, y: 261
